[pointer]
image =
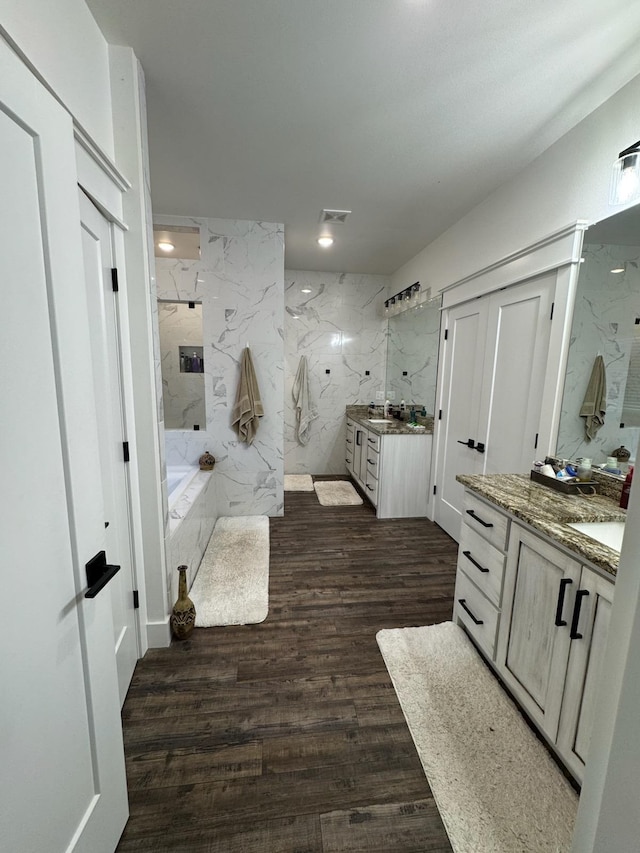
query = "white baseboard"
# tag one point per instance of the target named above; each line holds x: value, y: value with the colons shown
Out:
x: 159, y: 634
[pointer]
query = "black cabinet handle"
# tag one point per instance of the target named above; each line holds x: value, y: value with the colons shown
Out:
x: 467, y: 554
x: 372, y: 440
x: 564, y: 583
x: 370, y: 461
x: 99, y: 574
x: 463, y: 603
x: 478, y: 519
x: 480, y: 447
x: 358, y: 434
x: 580, y: 594
x: 468, y: 443
x: 349, y: 441
x: 371, y: 489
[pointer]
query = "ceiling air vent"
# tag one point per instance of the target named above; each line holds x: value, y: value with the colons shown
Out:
x: 334, y: 216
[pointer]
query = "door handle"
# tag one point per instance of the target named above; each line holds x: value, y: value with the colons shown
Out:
x: 564, y: 583
x: 480, y: 447
x: 580, y: 594
x: 99, y: 574
x: 467, y: 554
x: 463, y: 603
x: 468, y: 443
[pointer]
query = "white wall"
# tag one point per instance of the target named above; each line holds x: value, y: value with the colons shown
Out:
x: 339, y: 326
x: 61, y: 40
x: 569, y: 181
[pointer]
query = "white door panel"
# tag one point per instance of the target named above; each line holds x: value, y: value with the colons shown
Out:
x: 62, y: 780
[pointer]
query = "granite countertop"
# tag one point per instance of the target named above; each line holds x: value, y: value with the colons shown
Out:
x: 551, y: 512
x: 392, y: 426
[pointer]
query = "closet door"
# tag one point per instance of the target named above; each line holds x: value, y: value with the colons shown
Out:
x: 464, y: 352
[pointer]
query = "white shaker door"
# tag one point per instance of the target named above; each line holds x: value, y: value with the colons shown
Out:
x: 62, y: 779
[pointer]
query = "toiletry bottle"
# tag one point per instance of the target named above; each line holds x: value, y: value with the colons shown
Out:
x: 387, y: 406
x: 402, y: 405
x: 626, y: 489
x: 584, y: 470
x: 195, y: 363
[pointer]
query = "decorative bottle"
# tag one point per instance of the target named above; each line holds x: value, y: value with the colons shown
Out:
x: 626, y: 489
x: 195, y: 363
x: 183, y: 615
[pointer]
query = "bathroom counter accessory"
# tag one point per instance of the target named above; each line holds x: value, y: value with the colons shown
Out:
x: 575, y: 487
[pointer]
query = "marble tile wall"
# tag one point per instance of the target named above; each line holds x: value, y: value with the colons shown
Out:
x: 239, y: 280
x: 182, y: 393
x: 338, y: 325
x: 413, y: 349
x: 191, y: 522
x: 607, y: 306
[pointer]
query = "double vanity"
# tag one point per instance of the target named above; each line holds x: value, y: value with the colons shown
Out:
x: 390, y: 461
x: 534, y: 587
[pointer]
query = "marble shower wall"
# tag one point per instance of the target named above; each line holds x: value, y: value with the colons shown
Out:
x: 339, y: 326
x: 239, y: 280
x: 605, y: 316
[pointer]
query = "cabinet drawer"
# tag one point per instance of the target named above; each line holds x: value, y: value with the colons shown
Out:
x: 373, y: 442
x: 483, y: 563
x: 373, y: 459
x: 489, y: 522
x: 371, y: 488
x: 471, y: 608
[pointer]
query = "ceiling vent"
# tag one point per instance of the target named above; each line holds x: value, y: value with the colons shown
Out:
x: 334, y: 216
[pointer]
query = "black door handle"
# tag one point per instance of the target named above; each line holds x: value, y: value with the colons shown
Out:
x: 580, y: 594
x: 480, y: 447
x: 468, y: 443
x: 99, y: 574
x: 467, y: 554
x: 478, y: 519
x: 564, y: 583
x: 463, y: 603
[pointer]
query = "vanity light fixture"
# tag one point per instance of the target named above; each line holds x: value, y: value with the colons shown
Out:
x: 625, y: 179
x: 166, y: 246
x: 325, y: 241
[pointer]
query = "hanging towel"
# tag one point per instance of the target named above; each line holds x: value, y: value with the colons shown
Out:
x: 248, y: 406
x: 305, y: 410
x: 594, y: 405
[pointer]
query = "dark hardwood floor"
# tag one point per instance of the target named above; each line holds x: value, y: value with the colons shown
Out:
x: 287, y: 737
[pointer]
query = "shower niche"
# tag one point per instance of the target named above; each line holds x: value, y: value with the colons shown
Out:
x: 181, y: 347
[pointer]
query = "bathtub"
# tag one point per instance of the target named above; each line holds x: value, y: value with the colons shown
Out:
x: 192, y: 516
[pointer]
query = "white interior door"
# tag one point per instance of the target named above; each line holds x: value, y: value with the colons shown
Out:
x: 462, y: 373
x: 62, y: 779
x: 97, y: 252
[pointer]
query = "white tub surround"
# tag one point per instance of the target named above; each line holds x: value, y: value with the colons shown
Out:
x: 239, y: 280
x: 335, y: 320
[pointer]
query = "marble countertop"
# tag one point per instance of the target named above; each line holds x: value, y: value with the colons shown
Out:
x: 392, y: 425
x: 551, y: 512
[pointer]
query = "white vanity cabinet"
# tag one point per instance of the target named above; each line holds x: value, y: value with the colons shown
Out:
x: 392, y: 470
x: 540, y: 617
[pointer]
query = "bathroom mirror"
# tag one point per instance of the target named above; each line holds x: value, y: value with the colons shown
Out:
x: 183, y: 393
x: 412, y: 355
x: 606, y: 322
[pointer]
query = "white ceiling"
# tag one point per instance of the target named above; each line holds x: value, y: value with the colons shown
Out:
x: 407, y: 112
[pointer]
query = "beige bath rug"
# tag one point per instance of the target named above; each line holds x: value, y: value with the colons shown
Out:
x: 298, y: 483
x: 497, y: 788
x: 336, y: 493
x: 232, y: 584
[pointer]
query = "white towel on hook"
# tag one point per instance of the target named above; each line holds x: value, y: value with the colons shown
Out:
x: 305, y: 410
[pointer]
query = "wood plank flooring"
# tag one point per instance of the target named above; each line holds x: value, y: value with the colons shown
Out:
x: 287, y: 737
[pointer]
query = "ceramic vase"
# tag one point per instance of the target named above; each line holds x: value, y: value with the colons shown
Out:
x: 183, y: 615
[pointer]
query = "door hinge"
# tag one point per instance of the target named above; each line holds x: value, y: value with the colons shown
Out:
x: 125, y: 451
x: 439, y: 414
x: 114, y: 279
x: 535, y: 446
x: 446, y: 334
x: 136, y: 600
x: 553, y: 305
x: 435, y: 489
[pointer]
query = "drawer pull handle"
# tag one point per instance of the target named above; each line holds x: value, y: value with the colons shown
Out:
x: 370, y: 461
x: 564, y: 583
x: 467, y: 554
x: 574, y: 633
x: 372, y: 440
x: 371, y: 489
x: 349, y: 441
x: 478, y: 519
x: 463, y: 603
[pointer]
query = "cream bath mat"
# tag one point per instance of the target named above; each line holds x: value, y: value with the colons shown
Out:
x: 298, y: 483
x: 232, y: 584
x: 336, y: 493
x: 497, y: 788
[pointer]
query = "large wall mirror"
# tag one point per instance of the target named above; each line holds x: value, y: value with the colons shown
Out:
x: 412, y: 355
x: 183, y: 393
x: 606, y: 322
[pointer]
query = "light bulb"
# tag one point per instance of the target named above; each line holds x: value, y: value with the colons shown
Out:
x: 166, y: 246
x: 325, y: 241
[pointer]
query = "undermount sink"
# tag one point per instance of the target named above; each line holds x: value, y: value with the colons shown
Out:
x: 608, y: 533
x: 378, y: 420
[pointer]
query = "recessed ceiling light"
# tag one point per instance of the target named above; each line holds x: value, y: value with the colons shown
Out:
x: 306, y: 290
x: 325, y: 242
x: 166, y: 246
x: 618, y: 269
